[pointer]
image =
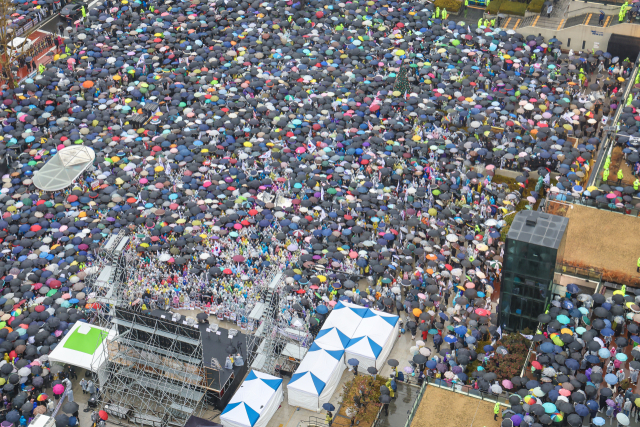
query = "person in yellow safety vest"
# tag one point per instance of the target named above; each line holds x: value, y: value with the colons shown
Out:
x: 466, y: 6
x: 620, y: 176
x: 638, y: 269
x: 493, y: 22
x: 488, y: 1
x: 486, y: 22
x: 496, y: 411
x: 605, y: 175
x: 623, y: 11
x: 480, y: 22
x: 623, y: 289
x: 438, y: 12
x: 41, y: 68
x: 444, y: 14
x: 636, y: 184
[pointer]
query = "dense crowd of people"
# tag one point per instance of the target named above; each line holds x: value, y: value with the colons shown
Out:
x: 352, y: 147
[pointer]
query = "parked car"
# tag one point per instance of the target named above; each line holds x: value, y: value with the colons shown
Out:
x: 73, y: 11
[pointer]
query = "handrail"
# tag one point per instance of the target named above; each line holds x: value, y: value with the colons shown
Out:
x: 607, y: 145
x: 416, y: 402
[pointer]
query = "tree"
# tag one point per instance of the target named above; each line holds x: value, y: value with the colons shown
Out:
x: 8, y: 56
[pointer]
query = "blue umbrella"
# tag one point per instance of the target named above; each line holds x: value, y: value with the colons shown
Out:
x: 598, y: 421
x: 582, y: 410
x: 572, y: 288
x: 322, y: 309
x: 604, y: 353
x: 487, y: 348
x: 611, y: 379
x: 460, y: 330
x: 328, y: 407
x: 450, y: 339
x: 593, y: 359
x: 592, y: 405
x: 352, y: 362
x: 607, y: 332
x: 572, y: 364
x: 564, y: 320
x: 431, y: 364
x: 547, y: 347
x: 549, y: 408
x: 470, y: 340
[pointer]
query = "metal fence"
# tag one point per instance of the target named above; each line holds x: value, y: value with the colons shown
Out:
x: 590, y: 273
x: 416, y: 403
x: 586, y: 201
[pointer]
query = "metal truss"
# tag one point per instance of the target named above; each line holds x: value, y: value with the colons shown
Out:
x: 274, y: 345
x: 153, y: 372
x: 108, y: 278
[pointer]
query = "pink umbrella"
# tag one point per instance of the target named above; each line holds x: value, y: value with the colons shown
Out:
x: 507, y: 384
x: 58, y: 389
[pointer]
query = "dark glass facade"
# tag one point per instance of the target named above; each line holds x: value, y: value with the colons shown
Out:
x: 528, y: 268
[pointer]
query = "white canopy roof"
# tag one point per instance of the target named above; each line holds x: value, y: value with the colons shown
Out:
x: 83, y: 346
x: 254, y: 402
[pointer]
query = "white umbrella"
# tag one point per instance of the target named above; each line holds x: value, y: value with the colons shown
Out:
x: 496, y: 389
x: 622, y: 419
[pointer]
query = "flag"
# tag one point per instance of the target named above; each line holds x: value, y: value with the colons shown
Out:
x: 369, y: 124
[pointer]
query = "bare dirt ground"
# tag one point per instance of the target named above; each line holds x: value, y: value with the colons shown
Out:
x: 443, y: 408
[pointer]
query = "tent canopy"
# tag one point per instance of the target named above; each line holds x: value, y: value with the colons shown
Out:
x: 254, y: 398
x: 82, y: 346
x: 332, y: 339
x: 346, y: 317
x: 316, y: 368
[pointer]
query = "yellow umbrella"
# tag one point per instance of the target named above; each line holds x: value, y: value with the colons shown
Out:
x: 322, y: 278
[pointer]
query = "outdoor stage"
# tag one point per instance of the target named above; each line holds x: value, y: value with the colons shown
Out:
x: 220, y: 383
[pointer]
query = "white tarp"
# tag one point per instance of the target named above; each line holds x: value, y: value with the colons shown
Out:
x: 316, y: 378
x: 255, y: 401
x: 373, y: 339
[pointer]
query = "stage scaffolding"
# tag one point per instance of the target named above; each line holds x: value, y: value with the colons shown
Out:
x: 109, y: 274
x: 153, y: 373
x: 279, y: 343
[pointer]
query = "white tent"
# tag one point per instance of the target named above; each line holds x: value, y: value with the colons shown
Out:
x: 316, y: 378
x: 373, y: 339
x: 332, y: 339
x: 83, y: 346
x: 346, y: 317
x: 255, y: 401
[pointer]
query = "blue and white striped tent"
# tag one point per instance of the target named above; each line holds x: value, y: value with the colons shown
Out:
x: 332, y: 339
x: 316, y: 378
x: 255, y: 401
x: 346, y: 317
x: 373, y: 339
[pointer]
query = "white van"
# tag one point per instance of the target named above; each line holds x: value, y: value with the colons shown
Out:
x: 20, y: 45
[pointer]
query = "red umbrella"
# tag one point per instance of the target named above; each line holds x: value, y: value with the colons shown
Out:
x: 103, y: 415
x: 227, y: 271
